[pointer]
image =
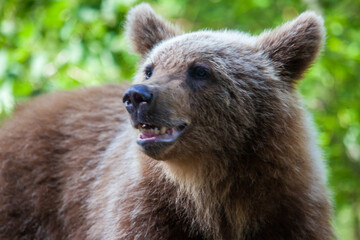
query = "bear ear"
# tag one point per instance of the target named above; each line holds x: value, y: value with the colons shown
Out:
x: 145, y: 29
x: 293, y: 46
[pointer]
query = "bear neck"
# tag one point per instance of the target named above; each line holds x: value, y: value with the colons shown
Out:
x: 225, y: 190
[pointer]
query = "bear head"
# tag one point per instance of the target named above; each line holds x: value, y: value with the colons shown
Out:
x: 214, y: 92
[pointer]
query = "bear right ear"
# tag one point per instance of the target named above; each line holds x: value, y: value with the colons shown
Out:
x: 145, y: 29
x: 293, y: 46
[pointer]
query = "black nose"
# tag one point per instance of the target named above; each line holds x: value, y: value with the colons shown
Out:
x: 137, y: 97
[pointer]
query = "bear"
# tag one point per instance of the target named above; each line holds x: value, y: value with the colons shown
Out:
x: 211, y: 141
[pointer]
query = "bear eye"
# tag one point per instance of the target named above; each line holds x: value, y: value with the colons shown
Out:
x: 199, y: 72
x: 148, y: 71
x: 199, y: 75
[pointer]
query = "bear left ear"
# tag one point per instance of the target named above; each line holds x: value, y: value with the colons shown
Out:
x: 293, y: 46
x: 145, y: 29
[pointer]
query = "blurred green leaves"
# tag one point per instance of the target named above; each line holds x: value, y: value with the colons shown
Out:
x: 61, y: 44
x: 47, y: 45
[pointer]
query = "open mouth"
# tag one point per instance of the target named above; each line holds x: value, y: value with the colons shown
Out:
x: 152, y: 133
x: 154, y: 140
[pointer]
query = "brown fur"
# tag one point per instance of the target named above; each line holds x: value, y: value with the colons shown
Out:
x: 246, y: 166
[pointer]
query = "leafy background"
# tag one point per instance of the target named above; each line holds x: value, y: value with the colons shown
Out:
x: 63, y: 44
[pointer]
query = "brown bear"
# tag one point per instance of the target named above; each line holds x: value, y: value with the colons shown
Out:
x: 211, y: 142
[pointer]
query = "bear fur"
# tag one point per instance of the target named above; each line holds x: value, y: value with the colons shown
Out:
x: 244, y: 164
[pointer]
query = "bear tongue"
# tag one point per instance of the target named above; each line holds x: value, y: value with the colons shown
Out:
x: 147, y: 135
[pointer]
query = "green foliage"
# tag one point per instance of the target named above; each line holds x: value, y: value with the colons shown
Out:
x: 63, y: 44
x: 47, y: 45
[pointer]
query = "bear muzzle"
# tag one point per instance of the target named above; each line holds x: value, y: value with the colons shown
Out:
x: 157, y: 131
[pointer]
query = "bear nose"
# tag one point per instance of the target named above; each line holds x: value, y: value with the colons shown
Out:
x: 137, y: 97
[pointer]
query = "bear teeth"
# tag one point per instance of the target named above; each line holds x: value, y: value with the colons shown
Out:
x: 143, y: 129
x: 163, y: 130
